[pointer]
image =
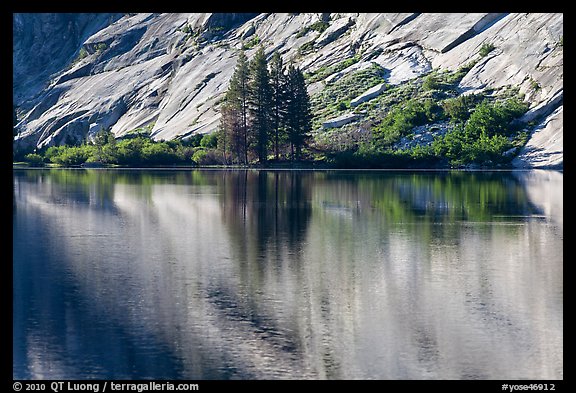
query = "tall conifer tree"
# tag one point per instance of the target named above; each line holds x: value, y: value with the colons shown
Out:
x: 298, y: 116
x: 235, y: 110
x: 261, y: 106
x: 259, y: 101
x: 278, y: 104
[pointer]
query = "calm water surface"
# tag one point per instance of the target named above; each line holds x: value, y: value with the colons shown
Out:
x: 179, y: 274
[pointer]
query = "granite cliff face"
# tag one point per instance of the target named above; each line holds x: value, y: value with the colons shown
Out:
x: 76, y: 74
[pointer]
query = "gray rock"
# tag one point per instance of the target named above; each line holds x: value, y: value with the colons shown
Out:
x: 45, y: 44
x: 510, y: 152
x: 247, y: 32
x: 545, y: 149
x: 340, y: 120
x: 335, y: 30
x: 369, y: 94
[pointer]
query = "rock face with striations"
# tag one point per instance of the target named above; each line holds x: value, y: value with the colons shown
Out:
x: 75, y: 74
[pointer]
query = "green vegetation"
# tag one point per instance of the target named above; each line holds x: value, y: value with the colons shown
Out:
x: 267, y: 114
x: 254, y: 41
x: 34, y: 159
x: 401, y: 119
x: 101, y: 47
x: 263, y: 108
x: 485, y: 49
x: 477, y: 129
x: 81, y: 55
x: 186, y: 29
x: 336, y: 97
x: 135, y: 149
x: 319, y: 26
x: 306, y: 48
x: 324, y: 72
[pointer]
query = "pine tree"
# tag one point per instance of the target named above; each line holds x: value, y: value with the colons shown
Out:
x: 234, y: 111
x: 298, y: 116
x: 261, y: 105
x: 259, y: 101
x: 228, y: 134
x: 278, y: 105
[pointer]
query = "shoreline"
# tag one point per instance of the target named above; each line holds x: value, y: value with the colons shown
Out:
x: 17, y: 166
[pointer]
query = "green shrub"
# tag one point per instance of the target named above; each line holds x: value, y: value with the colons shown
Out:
x: 402, y: 119
x: 52, y: 152
x: 199, y: 157
x: 486, y: 150
x: 102, y: 46
x: 193, y: 140
x: 458, y: 108
x: 207, y: 157
x: 82, y: 53
x: 34, y: 159
x: 485, y: 49
x: 306, y: 48
x: 494, y: 118
x: 129, y: 151
x: 319, y: 26
x: 461, y: 149
x: 72, y: 155
x: 324, y: 72
x: 209, y: 141
x: 343, y: 105
x: 158, y: 153
x: 255, y: 40
x: 431, y: 82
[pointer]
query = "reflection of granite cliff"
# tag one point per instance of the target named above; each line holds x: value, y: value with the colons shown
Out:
x: 75, y: 74
x: 545, y: 189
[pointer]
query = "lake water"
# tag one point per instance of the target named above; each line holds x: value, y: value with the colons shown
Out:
x: 223, y: 274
